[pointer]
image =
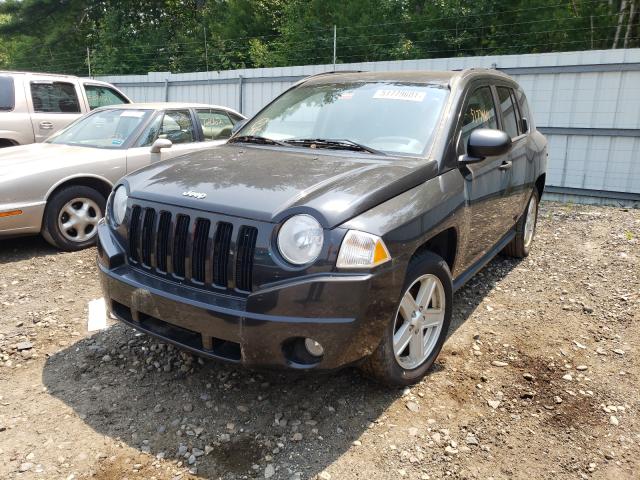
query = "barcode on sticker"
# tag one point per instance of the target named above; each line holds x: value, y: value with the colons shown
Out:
x: 408, y: 95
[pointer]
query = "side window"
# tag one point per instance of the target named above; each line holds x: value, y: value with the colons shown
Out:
x: 54, y: 97
x: 524, y: 111
x: 216, y: 125
x: 7, y: 94
x: 150, y: 133
x: 100, y: 96
x: 177, y: 126
x: 509, y: 112
x: 480, y: 112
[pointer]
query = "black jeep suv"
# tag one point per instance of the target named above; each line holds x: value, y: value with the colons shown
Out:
x: 334, y: 226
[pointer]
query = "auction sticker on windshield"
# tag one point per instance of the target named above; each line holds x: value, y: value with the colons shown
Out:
x: 408, y: 95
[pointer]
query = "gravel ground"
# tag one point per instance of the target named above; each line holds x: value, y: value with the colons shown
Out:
x: 539, y: 379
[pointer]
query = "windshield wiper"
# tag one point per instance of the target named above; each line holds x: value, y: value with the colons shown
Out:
x: 257, y: 139
x: 337, y: 144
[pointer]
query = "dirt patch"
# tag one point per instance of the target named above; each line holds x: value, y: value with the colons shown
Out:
x: 116, y: 404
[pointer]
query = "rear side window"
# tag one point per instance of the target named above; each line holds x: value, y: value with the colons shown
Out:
x: 509, y: 112
x: 216, y: 125
x: 7, y: 94
x: 54, y: 97
x: 524, y: 111
x: 101, y: 96
x: 480, y: 112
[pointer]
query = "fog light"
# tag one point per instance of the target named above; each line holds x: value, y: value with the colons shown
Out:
x: 313, y: 347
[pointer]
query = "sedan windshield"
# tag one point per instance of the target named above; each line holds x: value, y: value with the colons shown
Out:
x: 111, y: 128
x: 391, y: 117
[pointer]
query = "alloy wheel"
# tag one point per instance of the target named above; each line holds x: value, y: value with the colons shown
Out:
x: 419, y: 321
x: 530, y: 222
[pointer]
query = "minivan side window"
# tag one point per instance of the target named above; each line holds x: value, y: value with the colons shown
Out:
x: 54, y: 97
x: 7, y: 94
x: 101, y: 96
x: 509, y: 112
x: 480, y: 112
x: 216, y: 125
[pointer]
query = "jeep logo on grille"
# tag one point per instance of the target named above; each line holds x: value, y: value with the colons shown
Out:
x: 193, y: 194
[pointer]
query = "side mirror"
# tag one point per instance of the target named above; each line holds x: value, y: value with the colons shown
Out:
x: 159, y: 144
x: 238, y: 126
x: 485, y: 142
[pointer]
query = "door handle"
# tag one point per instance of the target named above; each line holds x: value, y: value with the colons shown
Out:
x: 46, y: 125
x: 506, y: 165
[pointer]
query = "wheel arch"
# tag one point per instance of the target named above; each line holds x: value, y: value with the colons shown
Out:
x: 444, y: 244
x: 7, y: 142
x: 96, y: 182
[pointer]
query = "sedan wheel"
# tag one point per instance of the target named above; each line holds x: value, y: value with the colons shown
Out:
x: 419, y: 321
x: 78, y: 219
x: 71, y: 217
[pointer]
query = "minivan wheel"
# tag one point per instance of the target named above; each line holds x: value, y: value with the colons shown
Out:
x: 520, y: 246
x: 71, y: 217
x: 416, y: 333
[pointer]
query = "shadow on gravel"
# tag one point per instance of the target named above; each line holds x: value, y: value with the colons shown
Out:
x: 22, y: 248
x: 155, y: 398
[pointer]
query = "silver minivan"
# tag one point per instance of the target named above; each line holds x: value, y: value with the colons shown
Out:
x: 33, y: 106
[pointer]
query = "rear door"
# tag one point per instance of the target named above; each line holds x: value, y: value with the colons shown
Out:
x: 178, y: 125
x: 215, y: 124
x: 519, y: 156
x: 54, y: 103
x: 486, y: 182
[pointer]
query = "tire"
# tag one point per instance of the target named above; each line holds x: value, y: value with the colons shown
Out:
x: 78, y: 203
x: 520, y: 246
x: 401, y: 370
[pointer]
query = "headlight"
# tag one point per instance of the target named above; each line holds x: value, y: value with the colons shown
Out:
x: 300, y: 239
x: 119, y: 206
x: 362, y: 250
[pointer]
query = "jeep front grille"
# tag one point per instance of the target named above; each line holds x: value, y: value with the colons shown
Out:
x: 191, y: 248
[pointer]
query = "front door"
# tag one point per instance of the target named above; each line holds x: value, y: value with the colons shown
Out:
x: 54, y: 104
x: 175, y: 125
x: 486, y: 182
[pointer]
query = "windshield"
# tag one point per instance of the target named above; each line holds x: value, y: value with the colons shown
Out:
x: 110, y: 128
x: 391, y: 117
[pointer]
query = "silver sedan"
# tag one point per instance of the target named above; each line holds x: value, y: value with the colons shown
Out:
x: 59, y: 188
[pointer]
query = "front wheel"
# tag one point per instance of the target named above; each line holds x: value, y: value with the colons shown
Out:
x: 414, y: 337
x: 71, y: 217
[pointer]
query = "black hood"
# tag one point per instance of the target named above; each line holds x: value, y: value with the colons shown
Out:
x: 271, y: 183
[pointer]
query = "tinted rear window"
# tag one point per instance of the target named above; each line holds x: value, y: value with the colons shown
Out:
x: 7, y: 94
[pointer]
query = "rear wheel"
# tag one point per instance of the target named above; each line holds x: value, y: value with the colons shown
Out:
x: 520, y: 246
x: 71, y: 217
x: 415, y: 335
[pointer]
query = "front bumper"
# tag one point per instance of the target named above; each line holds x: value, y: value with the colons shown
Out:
x: 28, y: 221
x: 345, y: 313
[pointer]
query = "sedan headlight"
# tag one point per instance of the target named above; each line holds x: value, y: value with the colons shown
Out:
x: 300, y: 239
x: 119, y: 206
x: 362, y: 250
